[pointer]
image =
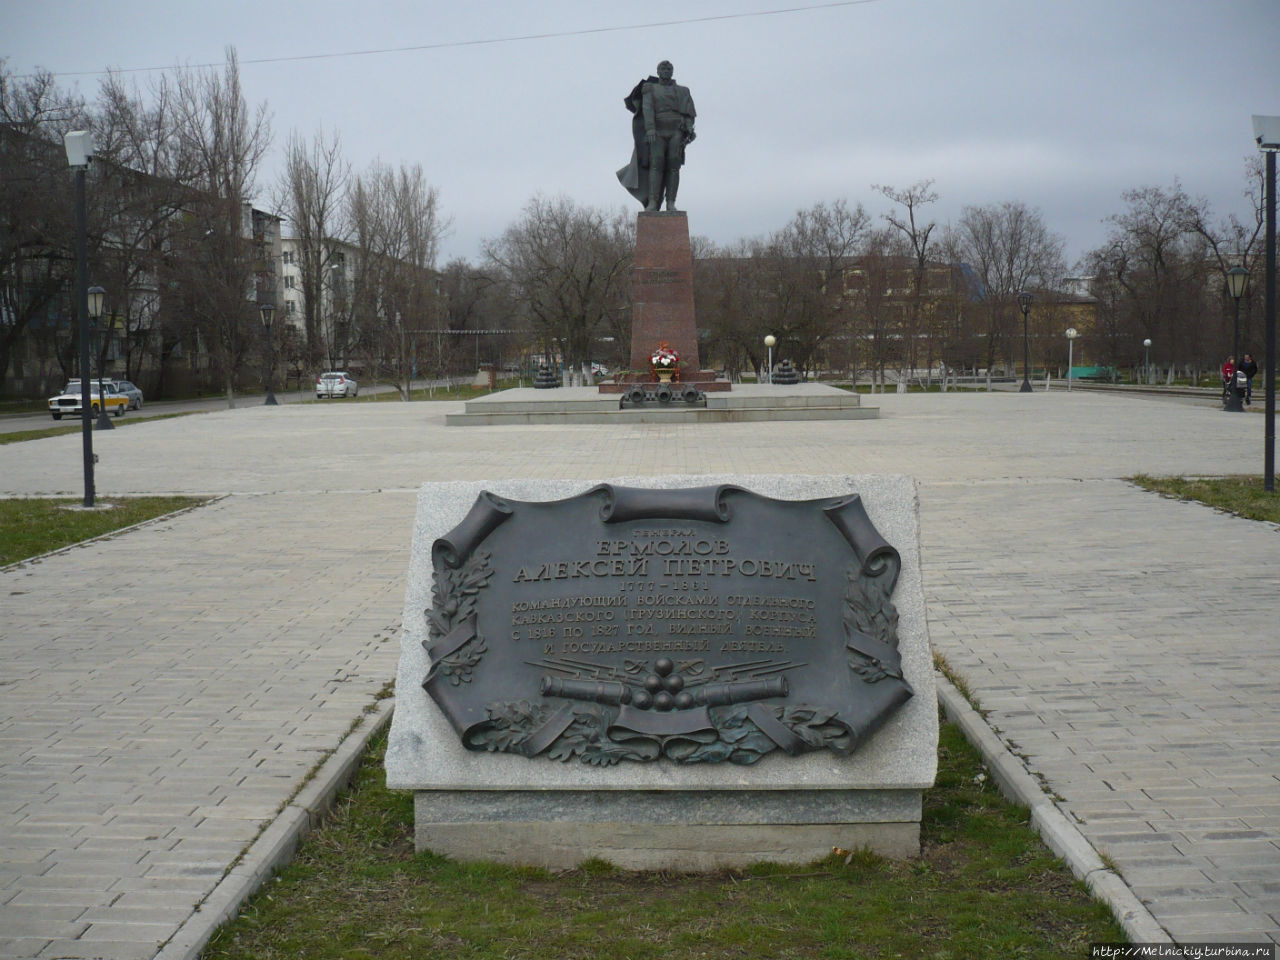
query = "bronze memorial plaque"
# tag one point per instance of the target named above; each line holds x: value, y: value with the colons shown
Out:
x: 698, y: 625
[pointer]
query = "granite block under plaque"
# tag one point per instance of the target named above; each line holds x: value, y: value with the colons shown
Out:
x: 666, y: 672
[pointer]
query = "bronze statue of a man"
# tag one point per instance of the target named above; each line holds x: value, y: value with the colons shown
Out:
x: 662, y: 124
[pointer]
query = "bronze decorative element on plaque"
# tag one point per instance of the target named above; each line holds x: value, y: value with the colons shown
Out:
x: 700, y: 625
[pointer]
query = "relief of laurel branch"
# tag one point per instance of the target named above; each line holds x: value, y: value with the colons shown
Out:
x: 453, y: 601
x: 870, y: 612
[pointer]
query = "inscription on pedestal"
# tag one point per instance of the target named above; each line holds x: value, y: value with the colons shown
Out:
x: 643, y: 276
x: 692, y: 625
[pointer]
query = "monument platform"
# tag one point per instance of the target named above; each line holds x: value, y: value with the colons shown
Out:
x: 745, y: 403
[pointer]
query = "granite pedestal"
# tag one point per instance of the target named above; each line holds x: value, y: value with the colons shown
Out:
x: 476, y: 805
x: 662, y: 293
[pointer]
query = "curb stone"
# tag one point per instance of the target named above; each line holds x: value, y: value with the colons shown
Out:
x: 276, y: 846
x: 1057, y: 832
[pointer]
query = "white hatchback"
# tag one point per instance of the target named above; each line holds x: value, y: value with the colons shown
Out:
x: 336, y: 383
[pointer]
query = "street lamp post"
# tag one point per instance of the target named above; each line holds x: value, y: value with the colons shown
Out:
x: 1237, y: 280
x: 1024, y: 304
x: 96, y: 296
x: 79, y: 147
x: 1071, y: 343
x: 267, y: 310
x: 1146, y: 360
x: 769, y: 342
x: 1266, y: 131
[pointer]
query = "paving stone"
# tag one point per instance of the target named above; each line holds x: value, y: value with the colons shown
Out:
x: 1084, y: 614
x: 97, y: 950
x: 21, y: 948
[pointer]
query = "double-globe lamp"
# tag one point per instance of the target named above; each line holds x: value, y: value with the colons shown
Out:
x: 96, y: 297
x: 1237, y: 282
x: 1024, y: 304
x: 267, y: 312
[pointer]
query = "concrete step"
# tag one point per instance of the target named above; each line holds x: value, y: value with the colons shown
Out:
x: 739, y: 401
x: 674, y: 414
x: 587, y: 400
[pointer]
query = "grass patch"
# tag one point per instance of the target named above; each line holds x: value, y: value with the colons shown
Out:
x: 1242, y: 496
x: 983, y: 887
x: 30, y: 527
x: 962, y: 686
x: 17, y: 436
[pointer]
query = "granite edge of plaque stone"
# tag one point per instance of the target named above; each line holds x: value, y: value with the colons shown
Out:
x: 424, y: 751
x: 804, y: 807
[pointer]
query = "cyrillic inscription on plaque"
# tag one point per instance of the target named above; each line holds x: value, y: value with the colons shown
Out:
x: 697, y: 625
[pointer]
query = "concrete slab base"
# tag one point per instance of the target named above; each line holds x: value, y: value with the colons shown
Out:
x: 563, y: 844
x: 669, y: 830
x: 744, y: 403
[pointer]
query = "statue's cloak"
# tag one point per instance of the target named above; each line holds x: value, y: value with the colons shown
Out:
x: 634, y: 177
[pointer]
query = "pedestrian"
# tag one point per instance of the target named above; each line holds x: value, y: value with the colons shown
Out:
x: 1228, y: 371
x: 1249, y: 367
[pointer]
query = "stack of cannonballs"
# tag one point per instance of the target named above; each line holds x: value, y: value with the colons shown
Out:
x: 786, y: 373
x: 544, y: 379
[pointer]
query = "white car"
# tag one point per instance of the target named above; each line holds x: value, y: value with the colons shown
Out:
x: 110, y: 386
x: 336, y: 383
x: 69, y: 404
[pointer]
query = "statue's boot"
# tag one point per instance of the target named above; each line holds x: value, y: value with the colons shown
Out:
x: 673, y: 187
x: 655, y: 191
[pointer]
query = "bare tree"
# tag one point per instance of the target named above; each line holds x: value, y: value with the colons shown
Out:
x: 1010, y: 249
x: 36, y: 262
x: 310, y: 193
x: 916, y: 233
x: 804, y: 264
x: 1235, y: 242
x: 569, y: 265
x: 876, y: 316
x: 396, y: 296
x: 723, y: 299
x: 1158, y: 264
x: 225, y: 142
x: 474, y: 301
x: 144, y: 182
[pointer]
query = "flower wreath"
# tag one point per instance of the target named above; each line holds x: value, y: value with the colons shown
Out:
x: 665, y: 357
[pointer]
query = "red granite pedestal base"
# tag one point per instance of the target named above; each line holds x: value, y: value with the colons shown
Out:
x: 662, y: 291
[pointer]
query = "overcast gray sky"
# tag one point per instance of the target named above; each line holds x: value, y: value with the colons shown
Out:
x: 1062, y: 105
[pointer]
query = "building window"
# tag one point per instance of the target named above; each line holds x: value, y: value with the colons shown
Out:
x: 288, y: 281
x: 291, y: 306
x: 287, y: 256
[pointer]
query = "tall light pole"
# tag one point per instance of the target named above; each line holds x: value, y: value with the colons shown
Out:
x: 769, y: 342
x: 1266, y: 131
x: 1146, y: 360
x: 267, y: 310
x: 96, y: 296
x: 79, y: 147
x: 1237, y: 280
x: 1024, y: 304
x: 1071, y: 344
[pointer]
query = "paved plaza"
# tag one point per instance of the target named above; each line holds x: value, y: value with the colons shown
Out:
x: 165, y: 692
